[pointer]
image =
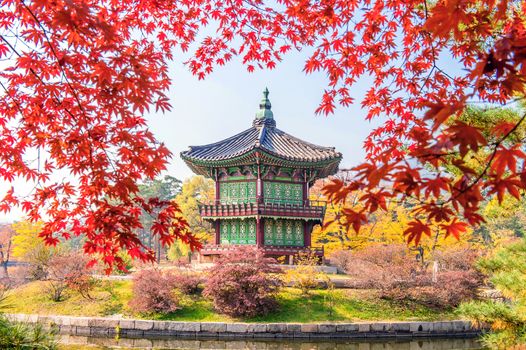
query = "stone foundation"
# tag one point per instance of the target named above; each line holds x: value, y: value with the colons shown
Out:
x: 129, y: 328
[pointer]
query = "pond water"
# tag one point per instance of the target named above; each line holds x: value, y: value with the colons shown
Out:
x: 89, y: 343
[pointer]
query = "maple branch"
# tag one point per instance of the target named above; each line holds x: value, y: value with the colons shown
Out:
x: 489, y: 162
x: 68, y: 82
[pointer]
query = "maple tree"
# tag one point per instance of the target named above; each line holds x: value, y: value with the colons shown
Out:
x: 79, y: 76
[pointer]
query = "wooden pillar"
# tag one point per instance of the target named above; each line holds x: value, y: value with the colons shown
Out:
x: 305, y: 188
x: 218, y: 195
x: 260, y: 239
x: 259, y: 184
x: 217, y: 239
x: 307, y: 234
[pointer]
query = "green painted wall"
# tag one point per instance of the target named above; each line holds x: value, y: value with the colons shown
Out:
x: 279, y: 192
x: 283, y: 232
x: 237, y: 192
x: 238, y: 231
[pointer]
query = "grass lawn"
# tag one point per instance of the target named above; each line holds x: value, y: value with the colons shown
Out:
x: 111, y: 298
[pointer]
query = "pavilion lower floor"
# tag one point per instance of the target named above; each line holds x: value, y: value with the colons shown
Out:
x: 275, y: 232
x: 278, y: 237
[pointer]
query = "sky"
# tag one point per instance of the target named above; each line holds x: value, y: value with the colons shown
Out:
x: 226, y: 101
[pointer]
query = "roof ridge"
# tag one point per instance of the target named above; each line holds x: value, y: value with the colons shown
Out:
x: 261, y: 135
x: 193, y: 148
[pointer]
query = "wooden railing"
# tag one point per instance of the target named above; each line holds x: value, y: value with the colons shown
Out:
x: 306, y: 208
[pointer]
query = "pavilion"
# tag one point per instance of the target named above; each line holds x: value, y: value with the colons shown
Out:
x: 262, y: 177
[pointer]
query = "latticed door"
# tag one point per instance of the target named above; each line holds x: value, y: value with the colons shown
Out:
x: 283, y: 232
x: 238, y: 231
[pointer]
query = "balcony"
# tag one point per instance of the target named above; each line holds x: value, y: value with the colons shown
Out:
x: 218, y: 249
x: 307, y: 209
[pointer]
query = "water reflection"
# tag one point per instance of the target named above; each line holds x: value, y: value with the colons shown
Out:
x: 284, y: 344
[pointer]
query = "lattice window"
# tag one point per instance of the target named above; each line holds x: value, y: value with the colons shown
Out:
x: 283, y: 232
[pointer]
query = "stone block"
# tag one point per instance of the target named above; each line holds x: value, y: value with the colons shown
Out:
x: 364, y: 327
x: 79, y: 321
x: 420, y: 327
x: 143, y: 325
x: 127, y: 324
x: 213, y: 327
x: 401, y: 327
x: 236, y: 327
x: 293, y: 327
x: 277, y: 327
x: 184, y: 327
x: 309, y: 328
x: 346, y: 327
x: 103, y: 322
x: 160, y: 325
x: 326, y: 328
x: 380, y: 327
x: 256, y: 328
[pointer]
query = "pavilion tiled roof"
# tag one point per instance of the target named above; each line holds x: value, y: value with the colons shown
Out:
x: 263, y: 136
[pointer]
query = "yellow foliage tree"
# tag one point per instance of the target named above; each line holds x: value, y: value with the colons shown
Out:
x: 195, y: 190
x: 383, y: 227
x: 30, y: 248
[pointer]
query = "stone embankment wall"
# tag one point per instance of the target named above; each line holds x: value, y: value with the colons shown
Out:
x: 129, y: 328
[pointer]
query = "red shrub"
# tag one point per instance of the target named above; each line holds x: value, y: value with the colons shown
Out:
x: 153, y: 291
x: 394, y: 271
x: 188, y: 283
x: 242, y: 284
x: 450, y: 289
x: 457, y: 259
x: 381, y: 267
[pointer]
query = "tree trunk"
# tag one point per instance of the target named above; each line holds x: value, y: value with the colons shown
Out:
x: 5, y: 273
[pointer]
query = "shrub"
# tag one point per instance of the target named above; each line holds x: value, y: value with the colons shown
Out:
x: 68, y: 270
x: 382, y: 267
x: 450, y: 289
x: 188, y: 283
x: 304, y: 275
x: 153, y: 291
x: 243, y: 283
x: 342, y: 259
x: 397, y: 275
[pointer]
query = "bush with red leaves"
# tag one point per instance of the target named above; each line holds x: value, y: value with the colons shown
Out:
x: 397, y: 275
x: 243, y: 283
x: 188, y: 283
x: 380, y: 267
x: 153, y: 291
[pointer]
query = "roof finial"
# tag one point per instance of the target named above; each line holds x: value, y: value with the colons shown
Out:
x: 265, y: 113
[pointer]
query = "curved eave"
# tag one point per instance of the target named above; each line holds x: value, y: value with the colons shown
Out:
x: 327, y: 166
